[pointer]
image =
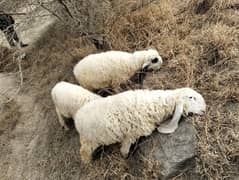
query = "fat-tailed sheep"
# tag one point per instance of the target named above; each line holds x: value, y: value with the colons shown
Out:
x: 68, y: 98
x: 126, y: 116
x: 112, y: 68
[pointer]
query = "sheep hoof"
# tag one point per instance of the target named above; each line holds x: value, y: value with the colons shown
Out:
x: 165, y: 129
x: 85, y: 157
x: 86, y: 161
x: 124, y: 155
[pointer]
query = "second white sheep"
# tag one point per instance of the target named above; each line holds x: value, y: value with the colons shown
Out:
x: 68, y: 98
x: 112, y: 68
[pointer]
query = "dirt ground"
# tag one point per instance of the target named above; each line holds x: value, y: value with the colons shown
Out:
x: 198, y: 41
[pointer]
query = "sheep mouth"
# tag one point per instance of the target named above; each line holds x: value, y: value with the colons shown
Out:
x: 201, y: 112
x: 146, y: 68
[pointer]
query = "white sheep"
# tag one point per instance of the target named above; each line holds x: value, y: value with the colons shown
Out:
x: 126, y: 116
x: 112, y: 68
x: 68, y: 98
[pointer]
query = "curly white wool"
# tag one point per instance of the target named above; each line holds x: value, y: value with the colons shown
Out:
x: 112, y: 68
x: 127, y: 116
x: 68, y: 98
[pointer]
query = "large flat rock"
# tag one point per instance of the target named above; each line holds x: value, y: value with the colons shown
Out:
x: 174, y: 153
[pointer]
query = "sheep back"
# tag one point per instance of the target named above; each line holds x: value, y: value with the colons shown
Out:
x: 68, y: 98
x: 130, y: 114
x: 105, y: 69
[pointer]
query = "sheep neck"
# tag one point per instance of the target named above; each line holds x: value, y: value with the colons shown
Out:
x: 139, y: 60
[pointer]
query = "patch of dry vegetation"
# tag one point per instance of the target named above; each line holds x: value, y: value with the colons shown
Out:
x: 6, y: 62
x: 199, y: 44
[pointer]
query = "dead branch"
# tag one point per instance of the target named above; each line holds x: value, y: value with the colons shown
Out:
x: 66, y: 8
x: 50, y: 11
x: 12, y: 13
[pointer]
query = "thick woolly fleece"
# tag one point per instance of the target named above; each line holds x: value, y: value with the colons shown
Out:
x: 127, y: 116
x: 68, y: 98
x: 122, y: 117
x: 112, y: 68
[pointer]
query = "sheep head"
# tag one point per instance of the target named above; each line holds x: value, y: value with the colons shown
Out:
x: 150, y: 59
x: 193, y: 102
x: 187, y: 101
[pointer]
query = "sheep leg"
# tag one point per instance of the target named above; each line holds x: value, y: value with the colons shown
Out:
x: 86, y: 150
x: 125, y: 146
x: 167, y: 128
x: 61, y: 120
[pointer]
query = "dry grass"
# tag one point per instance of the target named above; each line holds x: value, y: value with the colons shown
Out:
x: 200, y: 51
x: 199, y: 44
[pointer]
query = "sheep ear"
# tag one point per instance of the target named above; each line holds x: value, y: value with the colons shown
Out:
x: 186, y: 109
x: 185, y: 105
x: 145, y: 66
x: 167, y: 128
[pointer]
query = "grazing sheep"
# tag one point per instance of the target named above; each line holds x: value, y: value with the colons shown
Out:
x: 112, y: 68
x: 68, y: 98
x: 127, y: 116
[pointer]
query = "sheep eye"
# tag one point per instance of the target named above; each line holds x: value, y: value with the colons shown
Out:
x: 192, y: 98
x: 155, y: 60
